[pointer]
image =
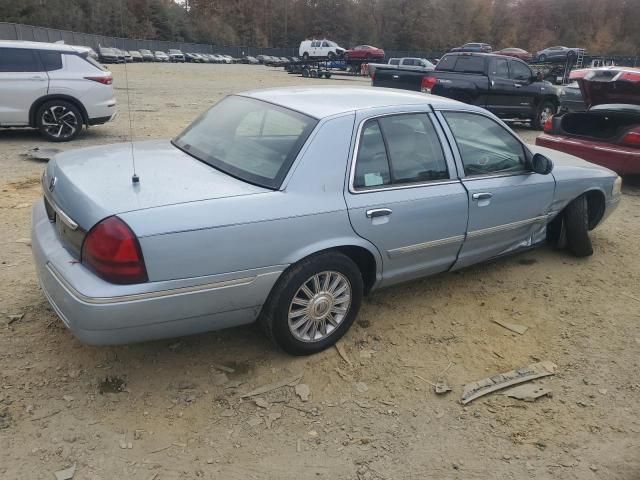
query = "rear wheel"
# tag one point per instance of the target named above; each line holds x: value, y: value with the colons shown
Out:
x: 59, y: 121
x: 313, y: 304
x: 305, y: 72
x: 305, y: 56
x: 331, y: 55
x: 542, y: 58
x: 313, y: 73
x: 576, y: 220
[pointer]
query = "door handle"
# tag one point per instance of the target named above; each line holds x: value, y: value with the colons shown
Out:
x: 36, y: 77
x: 517, y: 85
x: 379, y: 212
x: 482, y: 196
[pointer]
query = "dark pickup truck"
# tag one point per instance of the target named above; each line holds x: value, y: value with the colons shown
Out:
x: 503, y: 85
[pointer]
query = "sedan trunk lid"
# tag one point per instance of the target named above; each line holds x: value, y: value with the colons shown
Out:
x: 611, y: 86
x: 94, y: 183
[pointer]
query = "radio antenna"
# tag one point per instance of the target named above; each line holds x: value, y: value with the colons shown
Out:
x: 134, y: 178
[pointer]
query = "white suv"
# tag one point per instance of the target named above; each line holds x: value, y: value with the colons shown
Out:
x: 320, y: 49
x: 54, y: 88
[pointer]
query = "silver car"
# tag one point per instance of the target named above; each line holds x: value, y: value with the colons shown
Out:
x: 286, y: 206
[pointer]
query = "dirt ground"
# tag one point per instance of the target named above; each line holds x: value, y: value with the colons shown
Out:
x: 174, y: 409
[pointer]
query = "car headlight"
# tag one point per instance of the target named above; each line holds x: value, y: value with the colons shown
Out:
x: 617, y: 187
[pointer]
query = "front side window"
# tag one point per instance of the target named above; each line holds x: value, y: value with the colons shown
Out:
x: 249, y: 139
x: 19, y: 60
x: 520, y: 71
x: 485, y: 146
x: 398, y: 150
x: 325, y: 44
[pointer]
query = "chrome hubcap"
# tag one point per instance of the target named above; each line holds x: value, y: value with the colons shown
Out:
x: 319, y: 306
x: 545, y: 115
x: 59, y: 121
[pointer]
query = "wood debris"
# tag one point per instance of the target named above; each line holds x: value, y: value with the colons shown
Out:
x: 514, y: 327
x: 274, y: 386
x: 342, y: 353
x: 502, y: 380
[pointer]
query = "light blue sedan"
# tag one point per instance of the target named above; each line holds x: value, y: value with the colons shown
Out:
x: 286, y: 206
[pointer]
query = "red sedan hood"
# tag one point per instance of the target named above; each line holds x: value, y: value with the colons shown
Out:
x: 609, y: 86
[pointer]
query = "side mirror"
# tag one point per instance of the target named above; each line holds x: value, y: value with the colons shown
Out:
x: 541, y: 164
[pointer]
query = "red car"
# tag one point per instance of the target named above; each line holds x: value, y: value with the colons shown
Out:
x: 364, y: 52
x: 608, y: 133
x: 515, y: 52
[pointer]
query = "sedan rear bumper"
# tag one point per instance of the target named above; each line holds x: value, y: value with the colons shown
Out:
x: 622, y: 160
x: 164, y: 310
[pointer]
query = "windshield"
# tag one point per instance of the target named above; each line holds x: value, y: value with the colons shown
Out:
x: 249, y: 139
x: 107, y: 51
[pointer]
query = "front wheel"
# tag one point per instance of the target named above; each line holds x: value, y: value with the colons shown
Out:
x: 546, y: 110
x: 542, y: 58
x: 331, y: 55
x: 59, y: 121
x: 576, y: 220
x: 313, y: 304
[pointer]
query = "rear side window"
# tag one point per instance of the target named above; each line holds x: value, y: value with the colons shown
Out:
x: 447, y: 63
x: 470, y: 64
x: 485, y: 146
x: 394, y: 61
x: 397, y: 150
x: 51, y: 60
x: 19, y: 60
x: 501, y: 68
x: 520, y: 71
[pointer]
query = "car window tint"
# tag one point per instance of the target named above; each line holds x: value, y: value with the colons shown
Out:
x: 325, y: 44
x: 501, y: 68
x: 51, y: 60
x: 19, y: 60
x: 394, y: 61
x: 485, y: 146
x: 470, y: 64
x: 372, y: 164
x: 448, y: 62
x: 520, y: 71
x: 414, y: 149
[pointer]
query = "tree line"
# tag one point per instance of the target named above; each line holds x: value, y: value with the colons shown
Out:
x: 600, y: 26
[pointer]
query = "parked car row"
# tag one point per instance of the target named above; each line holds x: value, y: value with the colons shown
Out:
x: 550, y: 54
x: 115, y: 55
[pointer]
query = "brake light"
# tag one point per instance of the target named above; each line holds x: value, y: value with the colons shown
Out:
x: 630, y: 76
x: 632, y: 139
x: 113, y: 252
x: 427, y: 84
x: 548, y: 125
x: 105, y: 80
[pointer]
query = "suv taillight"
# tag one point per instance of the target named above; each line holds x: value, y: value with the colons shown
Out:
x: 427, y: 84
x: 548, y: 125
x: 632, y: 139
x: 105, y: 80
x: 113, y: 252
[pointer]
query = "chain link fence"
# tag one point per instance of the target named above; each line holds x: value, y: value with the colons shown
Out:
x: 16, y: 31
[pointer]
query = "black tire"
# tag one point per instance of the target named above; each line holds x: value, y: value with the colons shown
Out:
x: 576, y: 220
x: 545, y: 108
x: 327, y: 75
x: 313, y: 73
x: 542, y: 58
x: 305, y: 56
x: 274, y: 318
x: 331, y: 56
x: 305, y: 72
x: 59, y: 120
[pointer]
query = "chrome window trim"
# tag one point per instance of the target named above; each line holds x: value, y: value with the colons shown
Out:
x: 424, y: 246
x: 507, y: 226
x: 454, y: 147
x: 68, y: 221
x: 150, y: 295
x: 354, y: 157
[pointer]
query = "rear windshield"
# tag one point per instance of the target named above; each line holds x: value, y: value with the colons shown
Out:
x: 249, y: 139
x: 461, y: 63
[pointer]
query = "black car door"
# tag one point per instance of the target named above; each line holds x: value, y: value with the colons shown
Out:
x: 501, y: 88
x: 525, y: 89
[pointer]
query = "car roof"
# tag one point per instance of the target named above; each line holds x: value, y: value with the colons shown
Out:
x: 325, y: 101
x: 59, y: 47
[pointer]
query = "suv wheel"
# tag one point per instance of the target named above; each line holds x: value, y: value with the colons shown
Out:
x: 59, y: 121
x: 331, y: 55
x: 313, y: 304
x: 305, y: 55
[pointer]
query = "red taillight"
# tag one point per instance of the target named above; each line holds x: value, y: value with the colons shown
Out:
x: 630, y: 76
x: 427, y: 84
x: 632, y: 139
x: 548, y: 125
x: 112, y: 250
x: 108, y: 80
